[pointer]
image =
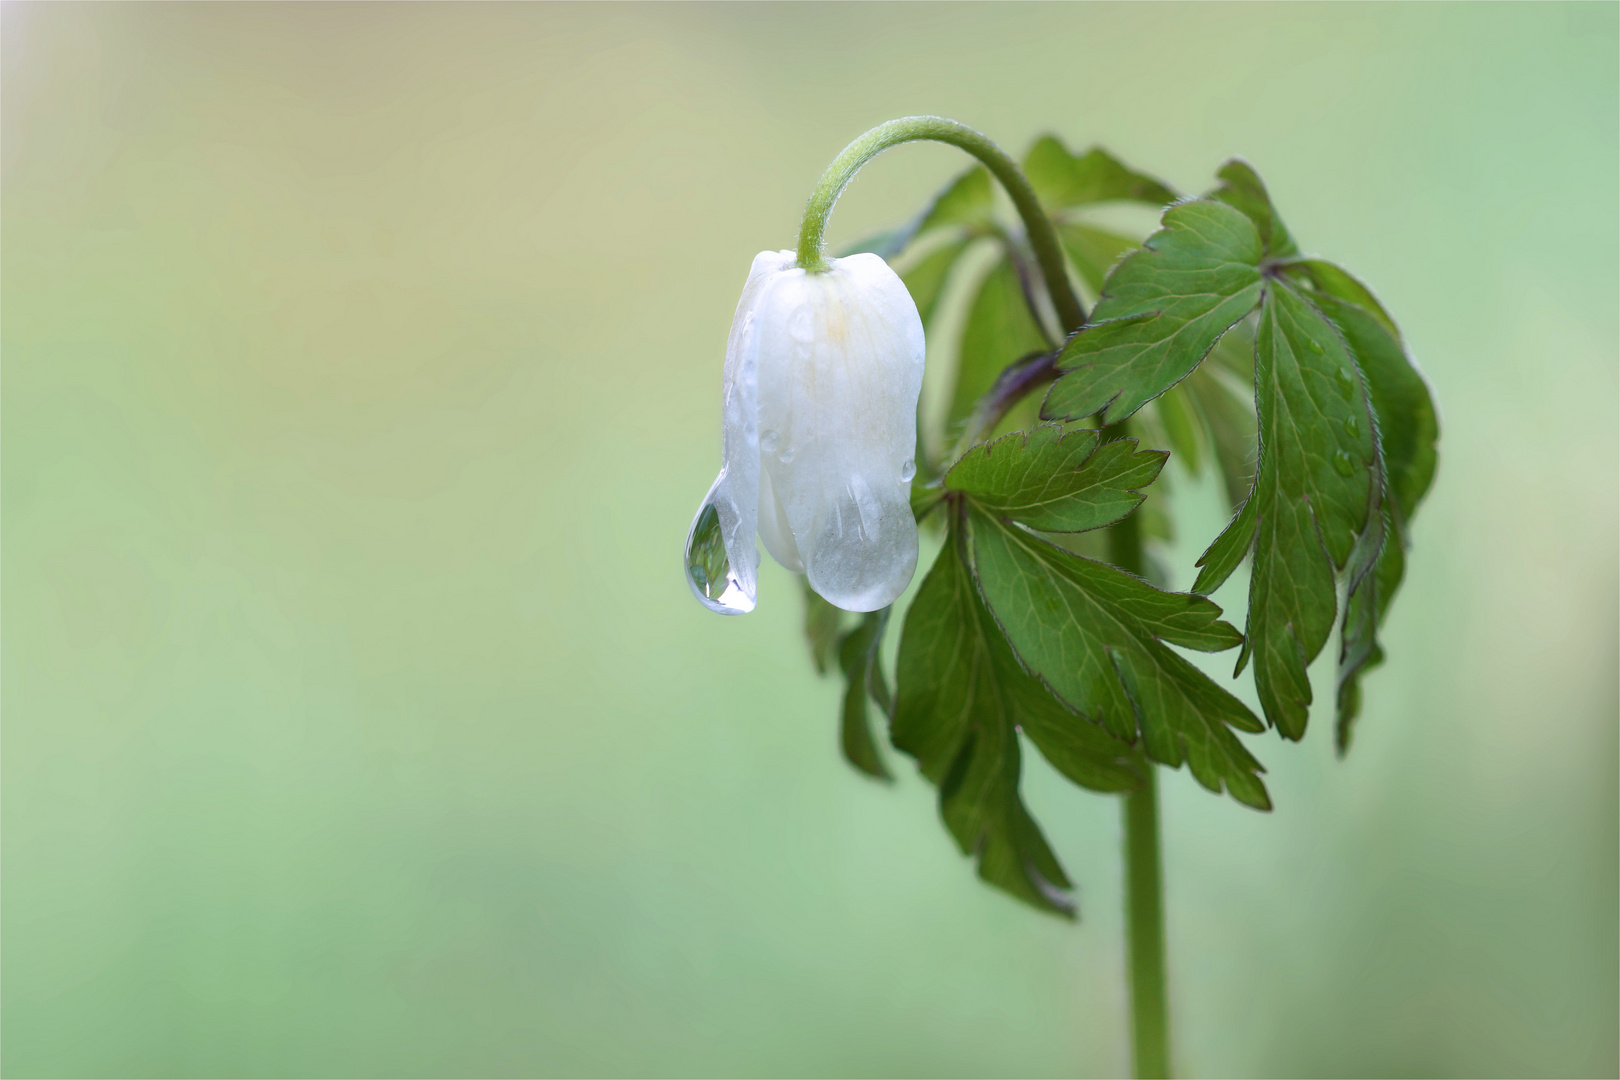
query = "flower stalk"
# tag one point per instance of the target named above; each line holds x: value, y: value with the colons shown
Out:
x: 1043, y: 237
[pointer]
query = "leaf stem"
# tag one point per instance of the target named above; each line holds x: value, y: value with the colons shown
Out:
x: 1016, y: 380
x: 1043, y: 237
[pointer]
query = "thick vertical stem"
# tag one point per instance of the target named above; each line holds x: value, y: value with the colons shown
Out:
x: 1144, y: 878
x: 1144, y: 930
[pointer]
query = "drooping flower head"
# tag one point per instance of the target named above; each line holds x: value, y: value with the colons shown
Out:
x: 823, y: 370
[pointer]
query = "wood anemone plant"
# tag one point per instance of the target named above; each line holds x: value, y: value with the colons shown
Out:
x: 1045, y: 614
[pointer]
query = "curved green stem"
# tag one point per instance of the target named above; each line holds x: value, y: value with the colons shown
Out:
x: 1042, y: 236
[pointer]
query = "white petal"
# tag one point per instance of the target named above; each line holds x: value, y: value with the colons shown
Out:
x: 774, y: 531
x: 839, y: 368
x: 736, y: 495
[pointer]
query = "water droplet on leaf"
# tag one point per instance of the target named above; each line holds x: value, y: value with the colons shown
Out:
x: 1347, y: 382
x: 1344, y: 463
x: 708, y: 567
x: 1352, y: 427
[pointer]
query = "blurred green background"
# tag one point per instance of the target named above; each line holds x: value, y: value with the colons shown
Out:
x: 361, y: 372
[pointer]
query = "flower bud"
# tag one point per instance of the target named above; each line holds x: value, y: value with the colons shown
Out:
x: 822, y: 375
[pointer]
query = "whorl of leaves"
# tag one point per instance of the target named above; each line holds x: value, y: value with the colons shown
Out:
x: 1217, y: 339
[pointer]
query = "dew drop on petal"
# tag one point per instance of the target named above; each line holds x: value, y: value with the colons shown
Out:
x: 786, y: 456
x: 770, y: 441
x: 708, y: 568
x: 908, y: 469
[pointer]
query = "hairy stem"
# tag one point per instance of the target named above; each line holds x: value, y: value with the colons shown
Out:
x: 1042, y: 236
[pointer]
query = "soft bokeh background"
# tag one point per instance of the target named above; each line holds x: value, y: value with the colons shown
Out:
x: 361, y: 372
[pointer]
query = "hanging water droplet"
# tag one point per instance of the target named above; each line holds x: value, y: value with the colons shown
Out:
x: 708, y: 567
x: 1347, y: 382
x: 1352, y: 427
x: 908, y: 469
x: 770, y: 441
x: 1344, y: 463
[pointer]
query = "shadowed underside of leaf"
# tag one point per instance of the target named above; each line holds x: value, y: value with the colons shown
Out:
x: 1163, y: 309
x: 999, y: 330
x: 962, y: 204
x: 821, y: 627
x: 856, y: 652
x: 858, y: 659
x: 926, y: 278
x: 1062, y: 179
x: 1228, y: 416
x: 966, y: 200
x: 1093, y: 251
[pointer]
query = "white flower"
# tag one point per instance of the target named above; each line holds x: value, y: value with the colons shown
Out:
x: 822, y: 376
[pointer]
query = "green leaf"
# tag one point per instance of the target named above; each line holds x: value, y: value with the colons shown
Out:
x: 965, y: 201
x: 926, y: 279
x: 1408, y: 431
x: 1097, y: 637
x: 1241, y: 187
x: 1093, y: 251
x: 858, y: 658
x: 1336, y: 281
x: 821, y: 627
x: 886, y: 245
x: 1313, y: 492
x: 999, y: 330
x: 960, y: 696
x: 925, y: 498
x: 1226, y: 408
x: 1408, y: 425
x: 1228, y: 551
x: 1062, y: 179
x: 1365, y: 606
x: 1163, y: 309
x: 1054, y: 480
x: 1181, y: 423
